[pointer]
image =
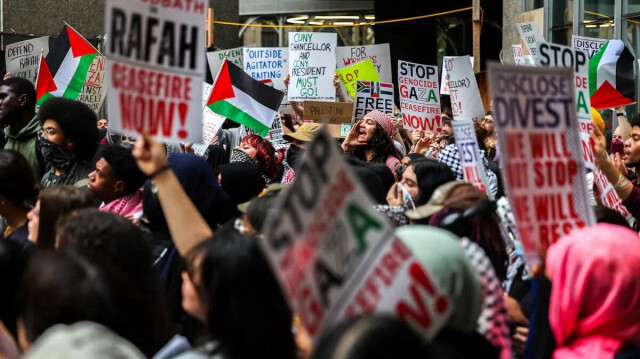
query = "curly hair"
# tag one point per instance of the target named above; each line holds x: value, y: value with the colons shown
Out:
x: 381, y: 142
x: 266, y: 155
x: 77, y: 122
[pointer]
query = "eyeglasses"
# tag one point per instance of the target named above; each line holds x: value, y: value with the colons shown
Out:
x: 47, y: 132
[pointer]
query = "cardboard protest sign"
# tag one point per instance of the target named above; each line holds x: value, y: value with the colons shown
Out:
x: 587, y: 44
x: 23, y: 58
x: 466, y: 103
x: 520, y: 58
x: 155, y: 76
x: 216, y: 58
x: 444, y: 85
x: 379, y: 55
x: 531, y: 35
x: 94, y: 90
x: 320, y: 230
x: 541, y: 152
x: 363, y: 70
x: 392, y: 281
x: 372, y: 96
x: 419, y: 97
x: 268, y: 65
x: 472, y: 165
x: 312, y: 62
x: 578, y: 60
x: 328, y: 112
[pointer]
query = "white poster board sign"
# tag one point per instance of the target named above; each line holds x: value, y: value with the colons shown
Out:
x: 216, y: 58
x: 472, y: 166
x: 312, y: 64
x: 444, y: 85
x: 419, y: 96
x: 379, y: 55
x: 371, y: 95
x: 541, y: 153
x: 155, y: 79
x: 588, y: 44
x: 320, y: 230
x: 268, y: 65
x: 531, y: 35
x: 577, y: 59
x: 23, y: 58
x: 466, y: 103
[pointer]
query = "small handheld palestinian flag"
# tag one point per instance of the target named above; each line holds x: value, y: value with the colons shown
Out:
x: 244, y: 100
x: 611, y: 76
x: 64, y: 71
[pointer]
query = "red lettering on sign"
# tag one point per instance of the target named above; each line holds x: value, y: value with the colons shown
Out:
x: 420, y: 313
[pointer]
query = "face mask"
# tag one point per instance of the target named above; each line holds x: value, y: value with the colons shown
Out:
x: 54, y: 155
x: 406, y: 197
x: 102, y: 133
x: 238, y: 155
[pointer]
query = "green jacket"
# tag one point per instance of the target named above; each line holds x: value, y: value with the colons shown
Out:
x: 25, y: 143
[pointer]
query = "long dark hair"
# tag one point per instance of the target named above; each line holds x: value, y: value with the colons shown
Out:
x: 381, y: 142
x: 247, y: 311
x: 430, y: 174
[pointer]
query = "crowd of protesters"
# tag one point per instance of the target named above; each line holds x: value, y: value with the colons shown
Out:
x: 118, y: 247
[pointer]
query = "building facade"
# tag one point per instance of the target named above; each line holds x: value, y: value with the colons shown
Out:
x: 560, y: 19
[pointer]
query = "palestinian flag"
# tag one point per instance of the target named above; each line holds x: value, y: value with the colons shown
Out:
x: 65, y: 68
x: 244, y: 100
x: 611, y: 76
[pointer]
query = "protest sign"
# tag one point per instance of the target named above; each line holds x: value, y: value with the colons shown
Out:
x: 211, y: 122
x: 444, y: 85
x: 268, y: 65
x: 94, y: 90
x: 587, y: 44
x: 540, y: 148
x: 362, y: 70
x: 520, y: 58
x: 392, y: 281
x: 372, y: 96
x: 328, y: 112
x: 155, y: 76
x: 531, y: 35
x: 312, y: 62
x: 563, y: 56
x: 275, y: 133
x: 472, y: 166
x: 216, y: 58
x: 466, y: 103
x: 320, y: 230
x: 578, y: 60
x: 419, y: 97
x: 379, y: 55
x: 23, y: 58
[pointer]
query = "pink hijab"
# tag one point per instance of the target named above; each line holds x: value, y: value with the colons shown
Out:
x: 595, y: 292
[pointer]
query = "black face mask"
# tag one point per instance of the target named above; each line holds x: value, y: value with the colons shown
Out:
x: 54, y: 155
x: 102, y: 133
x: 294, y: 154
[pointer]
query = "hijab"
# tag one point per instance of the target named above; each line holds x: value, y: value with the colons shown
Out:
x: 242, y: 180
x: 595, y: 292
x: 199, y: 182
x: 441, y: 255
x: 217, y: 156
